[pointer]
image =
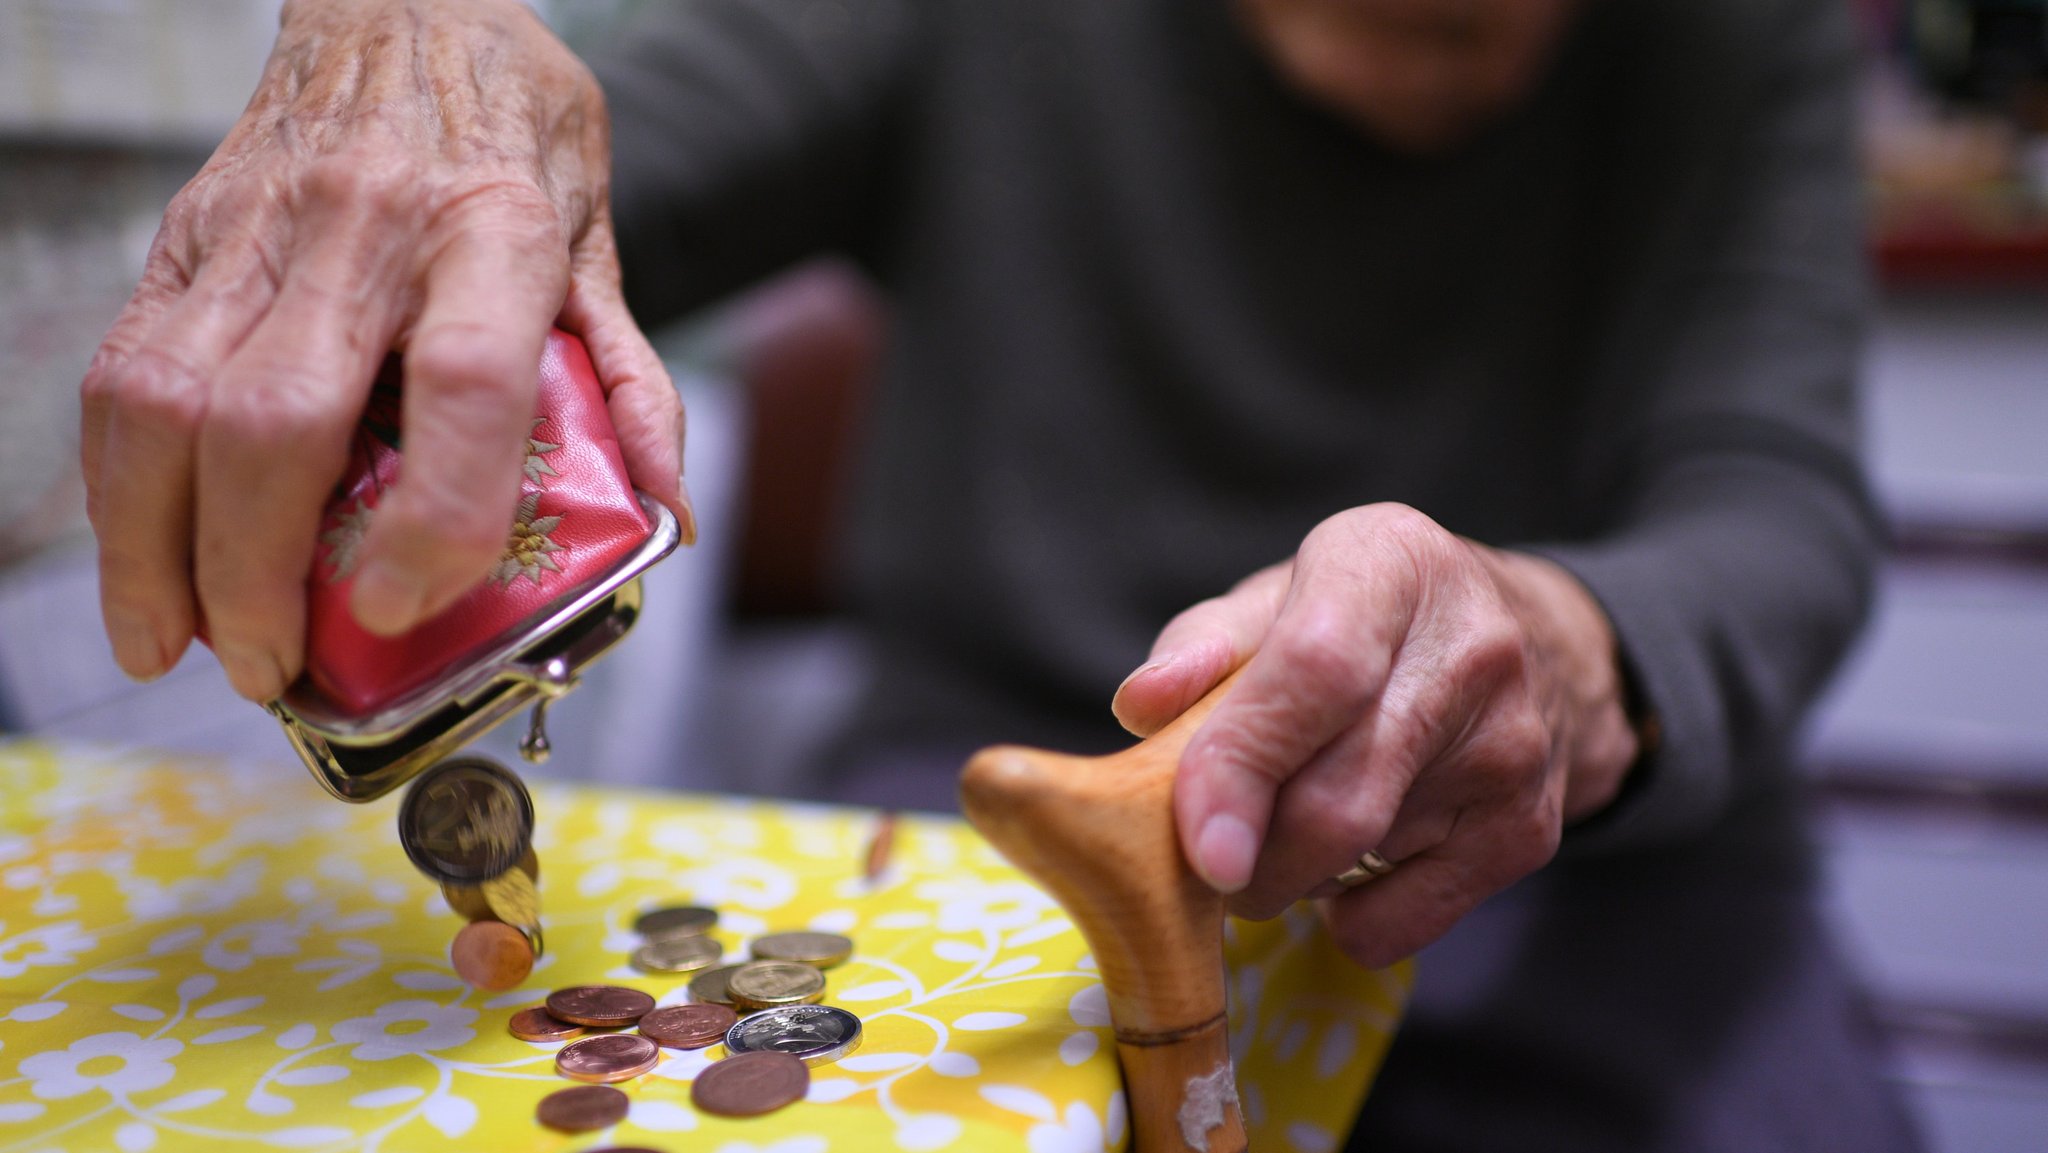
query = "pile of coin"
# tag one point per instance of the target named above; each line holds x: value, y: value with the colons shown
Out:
x: 765, y: 1012
x: 467, y: 823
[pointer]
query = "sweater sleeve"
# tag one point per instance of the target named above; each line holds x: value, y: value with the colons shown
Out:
x: 1738, y: 541
x: 746, y: 135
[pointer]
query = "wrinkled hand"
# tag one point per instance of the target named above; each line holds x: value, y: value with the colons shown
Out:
x: 426, y: 176
x: 1405, y: 691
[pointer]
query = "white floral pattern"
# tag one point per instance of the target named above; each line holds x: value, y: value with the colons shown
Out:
x: 209, y: 957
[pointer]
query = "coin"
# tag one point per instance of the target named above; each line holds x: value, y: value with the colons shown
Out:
x: 708, y: 987
x: 676, y: 954
x: 607, y: 1058
x: 537, y: 1024
x: 583, y: 1108
x: 465, y: 820
x: 467, y: 900
x: 605, y: 1006
x: 513, y: 897
x: 677, y: 920
x: 687, y: 1026
x: 491, y: 955
x: 765, y: 984
x: 823, y: 950
x: 810, y: 1033
x: 749, y: 1084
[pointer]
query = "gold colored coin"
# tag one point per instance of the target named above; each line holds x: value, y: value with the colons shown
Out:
x: 769, y: 984
x: 822, y: 950
x: 468, y: 901
x: 708, y: 987
x: 676, y: 954
x: 513, y: 898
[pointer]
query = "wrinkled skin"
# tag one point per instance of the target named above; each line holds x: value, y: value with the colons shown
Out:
x: 432, y: 176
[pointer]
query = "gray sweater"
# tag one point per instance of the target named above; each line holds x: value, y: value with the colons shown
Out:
x: 1156, y: 315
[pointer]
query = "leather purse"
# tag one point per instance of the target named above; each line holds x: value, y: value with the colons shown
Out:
x: 372, y: 711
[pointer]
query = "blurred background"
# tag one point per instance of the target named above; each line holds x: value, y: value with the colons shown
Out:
x: 1930, y: 757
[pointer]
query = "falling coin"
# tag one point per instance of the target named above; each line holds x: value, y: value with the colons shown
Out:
x: 676, y: 954
x: 491, y: 955
x: 675, y: 921
x: 513, y: 897
x: 750, y: 1084
x: 604, y: 1006
x: 708, y: 987
x: 608, y: 1058
x: 823, y: 950
x: 466, y: 820
x: 468, y: 901
x: 583, y: 1108
x: 766, y: 984
x: 537, y: 1024
x: 688, y: 1026
x: 811, y: 1033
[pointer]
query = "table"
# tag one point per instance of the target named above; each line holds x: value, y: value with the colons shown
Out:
x: 219, y: 956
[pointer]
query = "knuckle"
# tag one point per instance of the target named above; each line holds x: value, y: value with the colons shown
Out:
x: 157, y: 387
x: 1322, y: 648
x: 283, y: 408
x: 384, y: 184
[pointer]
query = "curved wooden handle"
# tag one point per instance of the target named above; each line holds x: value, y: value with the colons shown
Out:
x: 1098, y: 833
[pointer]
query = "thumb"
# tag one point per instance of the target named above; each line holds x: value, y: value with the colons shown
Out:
x: 1197, y: 649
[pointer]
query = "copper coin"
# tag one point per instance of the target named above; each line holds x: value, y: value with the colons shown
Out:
x: 605, y: 1006
x: 537, y: 1024
x: 750, y: 1084
x: 611, y: 1057
x: 766, y: 984
x: 708, y: 987
x: 582, y: 1109
x: 676, y: 954
x: 823, y: 950
x: 688, y: 1026
x: 491, y: 955
x: 677, y: 920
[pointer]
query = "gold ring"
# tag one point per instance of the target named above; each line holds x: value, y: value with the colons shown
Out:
x: 1370, y: 866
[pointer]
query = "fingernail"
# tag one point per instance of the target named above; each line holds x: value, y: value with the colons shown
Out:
x: 136, y: 649
x: 686, y: 523
x: 1225, y: 851
x: 387, y: 601
x: 1148, y: 668
x: 254, y: 672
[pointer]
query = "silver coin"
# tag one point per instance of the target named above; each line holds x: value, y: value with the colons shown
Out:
x: 676, y: 954
x: 465, y: 821
x: 813, y: 1034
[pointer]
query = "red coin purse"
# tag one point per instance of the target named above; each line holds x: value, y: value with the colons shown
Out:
x: 372, y: 711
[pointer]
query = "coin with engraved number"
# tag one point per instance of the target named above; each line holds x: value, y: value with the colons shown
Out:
x: 676, y: 954
x: 465, y: 820
x: 687, y: 1026
x: 611, y: 1057
x: 676, y: 921
x: 604, y: 1006
x: 537, y: 1024
x: 583, y: 1108
x: 811, y: 1033
x: 750, y: 1084
x: 708, y: 987
x: 766, y: 984
x: 823, y: 950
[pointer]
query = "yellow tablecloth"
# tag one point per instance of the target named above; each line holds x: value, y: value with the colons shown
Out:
x: 196, y: 955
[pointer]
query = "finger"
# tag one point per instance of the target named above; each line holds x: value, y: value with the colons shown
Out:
x: 1368, y: 789
x: 1322, y: 663
x: 1197, y: 649
x: 162, y: 286
x: 1395, y: 915
x: 146, y: 402
x: 471, y: 375
x: 646, y: 413
x: 275, y: 442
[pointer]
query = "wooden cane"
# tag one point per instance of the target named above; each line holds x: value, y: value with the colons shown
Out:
x: 1098, y: 833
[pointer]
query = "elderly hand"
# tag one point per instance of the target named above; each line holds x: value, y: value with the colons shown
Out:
x: 1405, y: 691
x: 424, y: 176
